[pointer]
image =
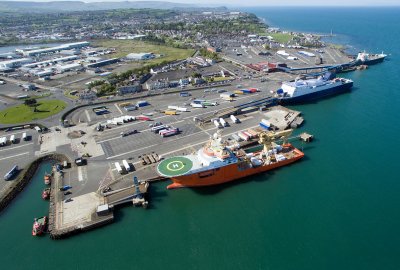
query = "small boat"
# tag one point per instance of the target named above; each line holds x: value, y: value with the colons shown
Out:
x: 46, y: 194
x: 39, y: 226
x: 47, y: 179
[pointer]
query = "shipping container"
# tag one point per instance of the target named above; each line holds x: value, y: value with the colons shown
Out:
x: 236, y: 138
x: 243, y: 136
x: 264, y: 126
x: 266, y: 122
x: 252, y: 132
x: 238, y: 92
x: 248, y: 134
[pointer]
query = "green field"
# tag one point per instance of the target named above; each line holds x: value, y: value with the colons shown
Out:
x: 22, y: 113
x: 124, y: 47
x: 281, y: 37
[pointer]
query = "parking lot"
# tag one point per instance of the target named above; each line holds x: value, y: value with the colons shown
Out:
x: 330, y: 56
x: 18, y: 153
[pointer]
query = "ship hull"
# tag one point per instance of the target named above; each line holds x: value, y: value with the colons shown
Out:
x: 227, y: 173
x: 372, y: 61
x: 317, y: 95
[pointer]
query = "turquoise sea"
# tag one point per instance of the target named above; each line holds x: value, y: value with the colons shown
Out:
x: 339, y: 208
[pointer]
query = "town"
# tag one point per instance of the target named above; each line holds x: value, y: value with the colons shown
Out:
x: 111, y: 102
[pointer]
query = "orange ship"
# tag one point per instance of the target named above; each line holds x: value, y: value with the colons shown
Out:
x: 218, y: 163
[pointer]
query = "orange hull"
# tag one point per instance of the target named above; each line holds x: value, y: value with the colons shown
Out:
x: 227, y: 173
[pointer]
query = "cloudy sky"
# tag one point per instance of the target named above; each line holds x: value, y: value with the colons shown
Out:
x: 266, y: 2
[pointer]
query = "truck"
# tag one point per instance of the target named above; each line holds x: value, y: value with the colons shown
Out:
x: 265, y: 124
x: 216, y: 123
x: 12, y: 139
x: 223, y: 122
x: 130, y: 108
x: 118, y: 167
x: 11, y: 173
x: 243, y: 136
x: 157, y: 129
x: 208, y: 103
x: 3, y: 141
x: 126, y: 165
x: 234, y: 119
x: 184, y: 94
x: 170, y: 132
x: 236, y: 138
x: 129, y: 132
x: 172, y: 107
x: 182, y: 109
x: 142, y: 103
x: 170, y: 112
x: 197, y: 105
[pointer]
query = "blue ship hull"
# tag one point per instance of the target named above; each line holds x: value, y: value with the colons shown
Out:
x: 317, y: 95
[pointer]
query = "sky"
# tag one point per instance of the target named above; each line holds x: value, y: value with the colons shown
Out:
x: 264, y: 2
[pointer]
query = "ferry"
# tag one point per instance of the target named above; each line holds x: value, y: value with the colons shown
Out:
x: 305, y: 90
x: 218, y: 163
x: 39, y: 226
x: 364, y: 58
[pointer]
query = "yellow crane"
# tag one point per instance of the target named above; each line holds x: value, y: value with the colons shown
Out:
x: 266, y: 138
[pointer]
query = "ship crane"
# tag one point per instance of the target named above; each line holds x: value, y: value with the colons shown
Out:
x: 267, y: 138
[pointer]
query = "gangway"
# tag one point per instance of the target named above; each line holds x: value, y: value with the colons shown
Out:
x: 133, y: 194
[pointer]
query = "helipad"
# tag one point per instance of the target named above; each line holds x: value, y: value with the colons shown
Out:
x: 174, y: 166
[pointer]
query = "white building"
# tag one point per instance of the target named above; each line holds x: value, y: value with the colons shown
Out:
x: 14, y: 63
x: 67, y: 46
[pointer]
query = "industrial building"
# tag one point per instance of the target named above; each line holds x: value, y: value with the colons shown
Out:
x: 14, y: 63
x: 102, y: 63
x: 50, y: 62
x: 69, y: 67
x: 68, y: 46
x: 140, y: 56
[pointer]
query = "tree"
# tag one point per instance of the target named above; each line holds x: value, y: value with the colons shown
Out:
x: 30, y: 102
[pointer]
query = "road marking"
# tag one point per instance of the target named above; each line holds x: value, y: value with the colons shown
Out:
x: 7, y: 149
x: 87, y: 115
x: 14, y: 156
x: 132, y: 151
x: 118, y: 108
x: 334, y: 60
